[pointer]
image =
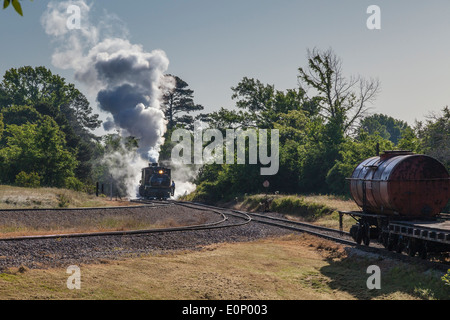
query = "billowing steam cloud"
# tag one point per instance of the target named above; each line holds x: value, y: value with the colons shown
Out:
x: 131, y: 80
x: 126, y: 79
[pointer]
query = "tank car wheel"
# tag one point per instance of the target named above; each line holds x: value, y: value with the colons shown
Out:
x: 384, y: 236
x: 366, y: 240
x: 423, y: 250
x: 359, y: 235
x: 354, y: 231
x: 366, y: 234
x: 399, y: 245
x: 411, y: 247
x: 392, y: 241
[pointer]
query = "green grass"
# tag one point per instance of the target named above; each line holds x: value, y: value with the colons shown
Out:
x: 320, y: 209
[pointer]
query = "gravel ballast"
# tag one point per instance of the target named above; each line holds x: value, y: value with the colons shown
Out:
x: 44, y: 253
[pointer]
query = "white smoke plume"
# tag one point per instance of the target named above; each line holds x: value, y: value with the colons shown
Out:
x: 126, y: 79
x: 183, y: 175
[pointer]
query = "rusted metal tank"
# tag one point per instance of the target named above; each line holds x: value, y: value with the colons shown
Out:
x: 401, y: 183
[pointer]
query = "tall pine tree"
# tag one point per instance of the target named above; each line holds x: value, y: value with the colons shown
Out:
x: 178, y: 102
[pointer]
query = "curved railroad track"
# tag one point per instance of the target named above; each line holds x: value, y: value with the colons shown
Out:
x: 228, y: 219
x: 316, y: 230
x: 200, y: 227
x: 335, y: 235
x: 224, y: 222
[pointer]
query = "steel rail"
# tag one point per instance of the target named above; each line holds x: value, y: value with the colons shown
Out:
x: 211, y: 225
x: 82, y: 208
x: 302, y: 227
x: 305, y: 224
x: 260, y: 218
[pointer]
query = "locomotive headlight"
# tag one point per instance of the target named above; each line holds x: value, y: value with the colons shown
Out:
x: 161, y: 171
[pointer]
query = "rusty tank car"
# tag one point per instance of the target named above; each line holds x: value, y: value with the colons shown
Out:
x: 401, y: 196
x: 401, y: 183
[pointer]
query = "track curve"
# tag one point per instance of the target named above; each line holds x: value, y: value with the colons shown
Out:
x: 222, y: 223
x: 229, y: 220
x: 335, y: 235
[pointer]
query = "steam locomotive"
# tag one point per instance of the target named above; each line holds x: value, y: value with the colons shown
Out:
x: 156, y: 183
x: 401, y: 195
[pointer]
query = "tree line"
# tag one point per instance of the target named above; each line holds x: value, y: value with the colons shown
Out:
x: 325, y: 129
x: 47, y: 131
x: 47, y: 125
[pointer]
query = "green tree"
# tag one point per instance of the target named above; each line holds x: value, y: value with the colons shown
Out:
x: 446, y: 278
x: 386, y: 126
x: 19, y: 153
x: 20, y: 115
x: 55, y: 161
x: 40, y: 148
x: 254, y: 97
x: 38, y: 86
x: 2, y: 126
x: 178, y: 102
x: 260, y: 105
x: 434, y: 135
x: 26, y: 93
x: 352, y: 153
x: 409, y: 141
x: 230, y: 119
x: 315, y: 122
x: 297, y: 130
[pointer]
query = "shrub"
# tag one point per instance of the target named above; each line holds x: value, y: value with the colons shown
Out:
x: 63, y: 200
x: 446, y: 278
x: 28, y: 180
x: 74, y: 184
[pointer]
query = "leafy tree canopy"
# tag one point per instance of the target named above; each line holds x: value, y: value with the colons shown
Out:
x: 386, y: 126
x: 178, y: 102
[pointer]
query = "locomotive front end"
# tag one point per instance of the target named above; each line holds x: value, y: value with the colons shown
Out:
x: 156, y: 183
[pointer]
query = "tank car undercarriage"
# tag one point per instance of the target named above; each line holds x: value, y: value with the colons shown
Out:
x: 410, y: 235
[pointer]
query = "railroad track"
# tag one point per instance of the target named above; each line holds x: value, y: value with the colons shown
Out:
x: 224, y: 222
x: 228, y: 218
x: 335, y: 236
x: 323, y: 232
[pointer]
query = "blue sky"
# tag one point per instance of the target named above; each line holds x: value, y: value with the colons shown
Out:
x: 213, y: 44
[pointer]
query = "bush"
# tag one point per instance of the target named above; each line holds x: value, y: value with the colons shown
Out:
x: 74, y: 184
x: 28, y: 180
x: 294, y: 205
x: 207, y: 192
x: 300, y: 207
x: 446, y: 278
x: 63, y: 200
